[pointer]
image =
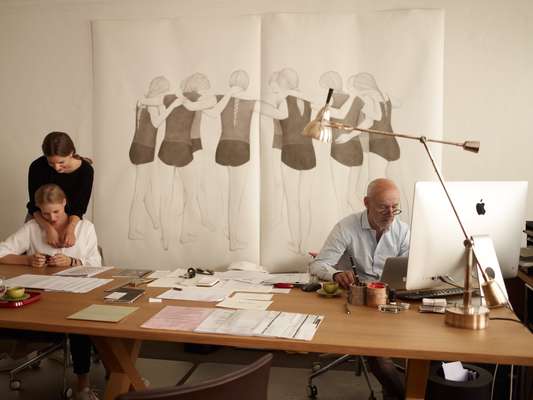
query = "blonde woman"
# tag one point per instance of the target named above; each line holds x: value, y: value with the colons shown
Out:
x: 28, y: 246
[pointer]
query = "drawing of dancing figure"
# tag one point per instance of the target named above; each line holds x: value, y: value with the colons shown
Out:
x: 182, y: 138
x: 297, y: 155
x: 233, y: 149
x: 379, y: 150
x: 148, y: 118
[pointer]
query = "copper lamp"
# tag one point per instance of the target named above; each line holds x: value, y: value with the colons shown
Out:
x: 466, y: 315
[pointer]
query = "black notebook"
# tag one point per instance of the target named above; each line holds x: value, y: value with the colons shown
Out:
x: 124, y: 295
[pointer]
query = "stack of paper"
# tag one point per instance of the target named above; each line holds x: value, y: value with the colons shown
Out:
x: 261, y: 323
x: 194, y: 294
x: 178, y: 318
x: 57, y: 283
x: 82, y: 271
x: 103, y: 313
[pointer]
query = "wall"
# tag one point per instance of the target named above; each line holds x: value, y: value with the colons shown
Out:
x: 46, y: 78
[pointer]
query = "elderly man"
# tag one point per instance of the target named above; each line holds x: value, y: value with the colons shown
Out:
x: 369, y: 237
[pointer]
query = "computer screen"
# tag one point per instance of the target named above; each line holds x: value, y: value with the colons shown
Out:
x: 485, y: 208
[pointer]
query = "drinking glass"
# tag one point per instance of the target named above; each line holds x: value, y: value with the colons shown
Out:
x: 2, y: 286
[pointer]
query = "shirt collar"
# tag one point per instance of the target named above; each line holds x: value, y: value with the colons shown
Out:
x: 366, y: 225
x: 364, y: 221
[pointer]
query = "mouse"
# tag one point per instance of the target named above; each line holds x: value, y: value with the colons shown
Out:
x: 311, y: 287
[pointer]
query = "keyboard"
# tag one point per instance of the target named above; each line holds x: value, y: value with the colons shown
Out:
x: 428, y: 293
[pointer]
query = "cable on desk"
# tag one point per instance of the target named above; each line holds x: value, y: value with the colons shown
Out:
x: 505, y: 319
x: 493, y: 381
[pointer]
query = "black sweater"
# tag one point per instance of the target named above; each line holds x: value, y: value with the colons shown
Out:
x: 77, y: 185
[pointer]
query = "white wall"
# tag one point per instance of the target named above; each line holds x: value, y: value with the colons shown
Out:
x: 46, y: 76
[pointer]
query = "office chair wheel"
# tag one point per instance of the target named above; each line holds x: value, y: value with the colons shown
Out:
x: 68, y: 394
x: 15, y: 384
x: 312, y: 391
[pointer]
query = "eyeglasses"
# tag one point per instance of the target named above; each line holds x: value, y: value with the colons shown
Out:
x: 385, y: 210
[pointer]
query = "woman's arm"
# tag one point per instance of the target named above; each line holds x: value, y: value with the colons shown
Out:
x: 341, y: 112
x: 150, y: 101
x: 92, y: 256
x: 204, y: 102
x: 157, y: 118
x: 217, y: 108
x: 52, y: 236
x: 280, y: 112
x: 15, y: 245
x: 36, y: 260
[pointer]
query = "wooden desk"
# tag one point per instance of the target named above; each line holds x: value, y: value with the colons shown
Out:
x: 412, y: 335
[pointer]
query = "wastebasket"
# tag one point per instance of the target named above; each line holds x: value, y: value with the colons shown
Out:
x: 478, y: 388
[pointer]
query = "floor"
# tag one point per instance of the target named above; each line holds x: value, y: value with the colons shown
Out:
x: 288, y: 377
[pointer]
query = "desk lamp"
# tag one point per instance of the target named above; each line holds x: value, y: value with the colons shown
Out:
x: 466, y: 315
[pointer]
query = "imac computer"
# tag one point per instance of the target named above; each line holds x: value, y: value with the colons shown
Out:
x: 436, y: 250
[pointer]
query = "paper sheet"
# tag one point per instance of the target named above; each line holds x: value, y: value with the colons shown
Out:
x: 159, y: 274
x: 252, y: 296
x: 178, y: 318
x: 104, y: 313
x: 244, y: 304
x: 261, y: 323
x: 83, y: 271
x: 57, y: 283
x: 194, y: 294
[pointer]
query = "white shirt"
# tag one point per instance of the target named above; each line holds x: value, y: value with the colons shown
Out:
x: 354, y: 235
x: 32, y: 239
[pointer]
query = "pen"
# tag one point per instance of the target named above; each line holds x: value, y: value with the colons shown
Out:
x: 347, y: 308
x: 176, y: 288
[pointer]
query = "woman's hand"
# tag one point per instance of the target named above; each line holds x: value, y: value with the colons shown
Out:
x: 52, y: 237
x: 37, y: 260
x: 69, y: 238
x: 59, y: 260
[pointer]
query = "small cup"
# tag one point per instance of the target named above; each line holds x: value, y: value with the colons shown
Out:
x: 330, y: 287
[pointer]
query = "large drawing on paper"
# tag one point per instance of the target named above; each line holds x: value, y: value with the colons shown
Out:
x: 199, y: 153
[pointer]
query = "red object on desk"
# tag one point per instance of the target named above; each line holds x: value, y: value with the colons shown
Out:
x: 282, y: 285
x: 34, y: 296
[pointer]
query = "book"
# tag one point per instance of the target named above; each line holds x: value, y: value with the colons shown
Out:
x: 104, y: 313
x: 131, y: 273
x: 124, y: 295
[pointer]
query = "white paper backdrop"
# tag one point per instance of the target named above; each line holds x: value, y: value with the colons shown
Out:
x: 183, y: 215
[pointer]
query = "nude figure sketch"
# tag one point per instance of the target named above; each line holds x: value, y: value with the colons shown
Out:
x: 182, y: 138
x: 346, y: 158
x: 379, y: 150
x: 233, y: 149
x: 297, y: 156
x: 148, y: 119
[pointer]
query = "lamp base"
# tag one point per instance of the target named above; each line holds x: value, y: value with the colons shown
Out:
x: 467, y: 317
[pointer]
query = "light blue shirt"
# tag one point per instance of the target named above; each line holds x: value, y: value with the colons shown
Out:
x: 354, y: 235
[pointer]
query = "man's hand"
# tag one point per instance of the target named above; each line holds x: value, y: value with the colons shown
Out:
x: 59, y: 260
x: 38, y: 260
x: 344, y: 278
x: 52, y: 237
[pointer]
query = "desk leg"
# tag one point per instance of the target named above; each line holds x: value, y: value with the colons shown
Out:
x: 416, y: 379
x: 119, y: 356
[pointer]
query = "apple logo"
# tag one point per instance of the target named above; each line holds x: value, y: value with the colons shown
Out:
x: 480, y: 208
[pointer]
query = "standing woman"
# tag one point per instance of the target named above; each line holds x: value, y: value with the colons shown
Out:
x: 61, y: 165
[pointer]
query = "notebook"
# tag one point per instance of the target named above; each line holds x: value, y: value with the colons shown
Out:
x: 124, y: 295
x: 103, y: 313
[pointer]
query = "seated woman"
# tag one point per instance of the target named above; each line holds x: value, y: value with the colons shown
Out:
x: 28, y: 246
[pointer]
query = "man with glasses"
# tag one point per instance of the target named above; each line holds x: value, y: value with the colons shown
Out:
x: 369, y: 237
